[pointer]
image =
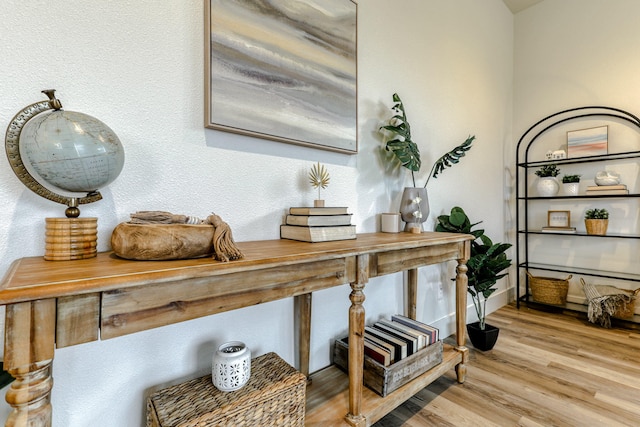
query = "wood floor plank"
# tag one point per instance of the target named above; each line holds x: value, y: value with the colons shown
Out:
x: 547, y: 369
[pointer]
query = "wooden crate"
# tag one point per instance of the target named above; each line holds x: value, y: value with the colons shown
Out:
x: 385, y: 379
x: 274, y: 396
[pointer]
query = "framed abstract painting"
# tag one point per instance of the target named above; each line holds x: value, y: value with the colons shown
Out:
x: 283, y: 70
x: 587, y: 142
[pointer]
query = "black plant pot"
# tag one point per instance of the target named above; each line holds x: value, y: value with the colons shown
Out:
x: 482, y: 339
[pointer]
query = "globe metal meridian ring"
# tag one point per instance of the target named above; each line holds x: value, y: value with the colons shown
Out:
x: 12, y: 148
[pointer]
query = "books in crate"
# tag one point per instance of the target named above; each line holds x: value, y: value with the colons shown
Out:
x: 318, y: 224
x: 396, y: 351
x: 390, y: 341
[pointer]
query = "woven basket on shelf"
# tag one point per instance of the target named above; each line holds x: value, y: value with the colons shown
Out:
x: 628, y: 310
x: 549, y: 290
x: 624, y: 311
x: 274, y: 395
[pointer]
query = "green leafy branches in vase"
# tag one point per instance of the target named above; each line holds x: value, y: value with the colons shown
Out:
x: 319, y: 179
x: 406, y: 151
x: 414, y: 205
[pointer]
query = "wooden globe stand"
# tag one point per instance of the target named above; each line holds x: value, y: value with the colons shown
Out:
x: 72, y: 237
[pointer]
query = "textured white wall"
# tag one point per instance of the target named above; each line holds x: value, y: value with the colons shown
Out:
x: 574, y: 53
x: 138, y: 66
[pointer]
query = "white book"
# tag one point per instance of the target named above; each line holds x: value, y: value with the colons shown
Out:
x: 318, y: 234
x: 319, y: 220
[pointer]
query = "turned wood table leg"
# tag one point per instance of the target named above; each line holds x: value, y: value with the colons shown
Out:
x: 304, y: 337
x: 356, y: 342
x: 29, y: 347
x: 461, y: 317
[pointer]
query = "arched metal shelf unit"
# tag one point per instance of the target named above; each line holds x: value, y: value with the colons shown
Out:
x: 523, y: 199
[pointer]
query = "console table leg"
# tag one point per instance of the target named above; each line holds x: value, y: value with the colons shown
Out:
x: 29, y: 347
x: 304, y: 307
x: 356, y: 343
x: 412, y: 292
x: 461, y: 317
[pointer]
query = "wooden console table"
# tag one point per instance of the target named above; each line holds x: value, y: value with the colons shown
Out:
x: 63, y: 303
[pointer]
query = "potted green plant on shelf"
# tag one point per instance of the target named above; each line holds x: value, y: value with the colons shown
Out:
x: 596, y: 221
x: 547, y: 184
x: 414, y: 205
x: 485, y: 266
x: 571, y: 184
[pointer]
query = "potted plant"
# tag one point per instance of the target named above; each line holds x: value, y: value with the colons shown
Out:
x: 414, y: 205
x: 596, y: 221
x: 547, y: 184
x: 571, y: 184
x: 485, y: 266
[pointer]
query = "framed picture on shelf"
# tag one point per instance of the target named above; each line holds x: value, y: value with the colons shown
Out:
x: 587, y: 142
x: 558, y: 219
x: 283, y: 70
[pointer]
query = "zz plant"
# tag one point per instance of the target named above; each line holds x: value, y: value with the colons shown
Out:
x: 487, y: 262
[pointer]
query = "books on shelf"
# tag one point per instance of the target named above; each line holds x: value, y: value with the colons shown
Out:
x: 568, y: 230
x: 606, y: 187
x: 304, y: 210
x: 317, y: 234
x: 606, y: 192
x: 318, y: 224
x: 318, y: 220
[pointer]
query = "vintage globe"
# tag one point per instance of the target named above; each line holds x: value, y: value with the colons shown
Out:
x: 72, y: 151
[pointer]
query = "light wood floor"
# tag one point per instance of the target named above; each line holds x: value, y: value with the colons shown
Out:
x: 546, y: 370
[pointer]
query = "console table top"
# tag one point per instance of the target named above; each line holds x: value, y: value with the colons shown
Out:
x: 34, y: 278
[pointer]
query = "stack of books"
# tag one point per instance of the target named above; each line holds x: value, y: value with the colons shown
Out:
x: 389, y: 341
x: 607, y: 190
x: 318, y: 224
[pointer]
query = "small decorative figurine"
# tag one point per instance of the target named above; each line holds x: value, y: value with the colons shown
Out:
x: 319, y: 178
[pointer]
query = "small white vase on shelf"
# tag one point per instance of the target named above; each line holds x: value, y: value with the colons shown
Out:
x: 571, y: 188
x: 231, y: 367
x: 547, y: 186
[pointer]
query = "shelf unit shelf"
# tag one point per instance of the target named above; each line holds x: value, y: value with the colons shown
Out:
x: 580, y: 196
x: 595, y: 236
x: 631, y: 277
x: 524, y: 164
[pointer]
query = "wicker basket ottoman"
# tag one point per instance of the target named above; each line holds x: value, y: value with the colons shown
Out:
x: 274, y: 396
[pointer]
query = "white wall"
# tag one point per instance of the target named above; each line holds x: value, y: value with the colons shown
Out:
x: 138, y: 66
x: 572, y: 53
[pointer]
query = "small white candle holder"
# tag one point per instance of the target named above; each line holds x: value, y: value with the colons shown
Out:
x: 231, y: 367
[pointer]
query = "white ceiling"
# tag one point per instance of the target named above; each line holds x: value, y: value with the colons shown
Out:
x: 516, y: 6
